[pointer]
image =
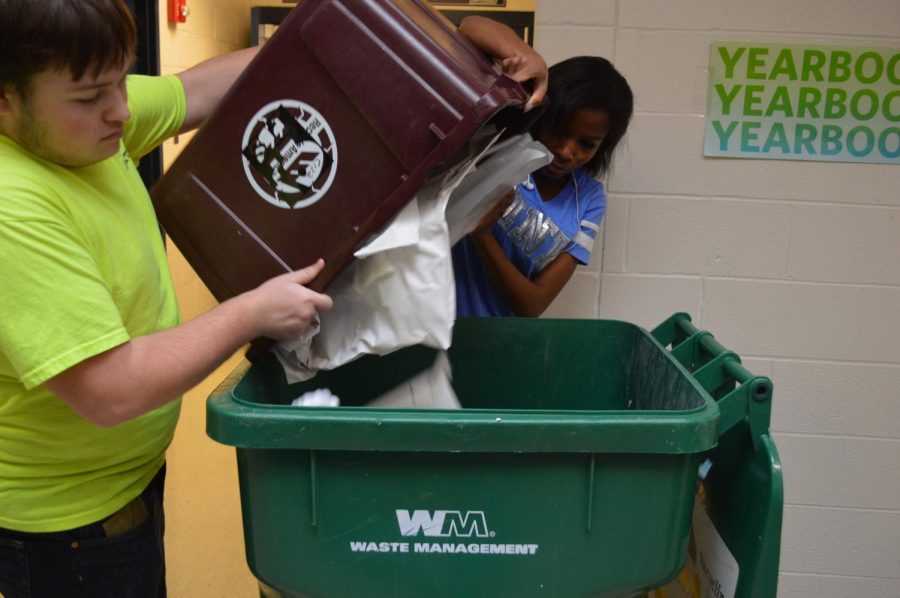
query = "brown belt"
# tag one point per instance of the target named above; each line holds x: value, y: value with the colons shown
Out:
x: 127, y: 518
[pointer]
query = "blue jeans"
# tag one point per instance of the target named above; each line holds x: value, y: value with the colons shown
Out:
x: 118, y: 557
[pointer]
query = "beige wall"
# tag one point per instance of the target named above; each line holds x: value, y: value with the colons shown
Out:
x: 792, y: 264
x: 204, y: 538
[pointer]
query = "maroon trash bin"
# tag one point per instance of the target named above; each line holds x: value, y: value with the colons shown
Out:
x: 330, y: 131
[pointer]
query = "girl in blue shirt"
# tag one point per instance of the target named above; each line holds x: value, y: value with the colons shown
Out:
x: 521, y: 255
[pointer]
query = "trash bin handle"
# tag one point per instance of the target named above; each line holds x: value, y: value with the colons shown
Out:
x: 740, y: 395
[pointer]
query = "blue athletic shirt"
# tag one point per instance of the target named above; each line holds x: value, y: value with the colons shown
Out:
x: 532, y: 233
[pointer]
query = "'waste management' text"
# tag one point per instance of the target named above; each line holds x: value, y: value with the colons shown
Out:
x: 444, y: 524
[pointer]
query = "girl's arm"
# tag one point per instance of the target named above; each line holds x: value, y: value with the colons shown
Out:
x: 526, y: 297
x: 518, y: 60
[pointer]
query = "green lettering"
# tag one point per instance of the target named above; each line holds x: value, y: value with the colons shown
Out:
x: 873, y: 104
x: 839, y: 67
x: 730, y: 61
x: 804, y: 135
x: 784, y: 65
x: 777, y: 138
x: 882, y: 143
x: 892, y: 74
x: 808, y: 102
x: 724, y: 135
x: 752, y: 97
x: 780, y: 102
x: 748, y: 136
x: 835, y: 102
x: 756, y: 60
x: 859, y: 67
x: 831, y: 140
x: 870, y: 141
x: 725, y: 97
x: 887, y: 106
x: 813, y: 61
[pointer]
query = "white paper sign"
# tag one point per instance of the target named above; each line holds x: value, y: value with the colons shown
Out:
x: 711, y: 571
x: 803, y: 102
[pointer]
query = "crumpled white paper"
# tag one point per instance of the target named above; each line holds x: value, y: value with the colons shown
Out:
x: 320, y: 397
x: 400, y: 290
x: 430, y: 389
x: 502, y: 166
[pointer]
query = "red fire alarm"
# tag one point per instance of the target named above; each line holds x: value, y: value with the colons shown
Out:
x: 178, y: 11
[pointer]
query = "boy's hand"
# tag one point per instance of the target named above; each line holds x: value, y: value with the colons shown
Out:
x: 282, y: 308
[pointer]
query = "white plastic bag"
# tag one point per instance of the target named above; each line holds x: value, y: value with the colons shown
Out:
x: 430, y: 389
x: 503, y: 166
x: 400, y: 290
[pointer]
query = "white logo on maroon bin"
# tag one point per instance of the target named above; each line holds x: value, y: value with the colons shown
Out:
x: 290, y: 155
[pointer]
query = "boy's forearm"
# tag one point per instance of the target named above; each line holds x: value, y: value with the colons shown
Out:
x: 149, y: 371
x: 207, y: 83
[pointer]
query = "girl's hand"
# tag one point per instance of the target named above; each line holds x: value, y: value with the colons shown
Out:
x: 528, y: 66
x: 518, y: 60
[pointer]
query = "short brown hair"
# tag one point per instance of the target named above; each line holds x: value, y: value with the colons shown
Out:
x: 39, y: 35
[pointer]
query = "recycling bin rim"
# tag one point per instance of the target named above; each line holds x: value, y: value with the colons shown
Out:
x: 234, y: 421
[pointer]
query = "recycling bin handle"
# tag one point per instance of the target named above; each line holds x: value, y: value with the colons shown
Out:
x: 740, y: 395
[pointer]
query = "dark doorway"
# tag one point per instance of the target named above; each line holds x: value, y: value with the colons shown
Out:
x: 146, y: 16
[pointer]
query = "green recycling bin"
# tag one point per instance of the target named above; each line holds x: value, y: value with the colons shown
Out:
x: 570, y: 471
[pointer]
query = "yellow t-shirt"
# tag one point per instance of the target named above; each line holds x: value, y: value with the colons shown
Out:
x: 84, y: 270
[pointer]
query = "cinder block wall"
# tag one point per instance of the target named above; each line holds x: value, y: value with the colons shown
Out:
x: 794, y: 265
x: 204, y: 539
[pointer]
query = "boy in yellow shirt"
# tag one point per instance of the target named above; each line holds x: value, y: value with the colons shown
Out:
x: 92, y: 351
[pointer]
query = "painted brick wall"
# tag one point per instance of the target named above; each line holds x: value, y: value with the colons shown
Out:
x: 794, y: 265
x: 213, y: 27
x: 204, y: 537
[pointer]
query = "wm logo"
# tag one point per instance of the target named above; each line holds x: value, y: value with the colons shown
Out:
x: 442, y: 524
